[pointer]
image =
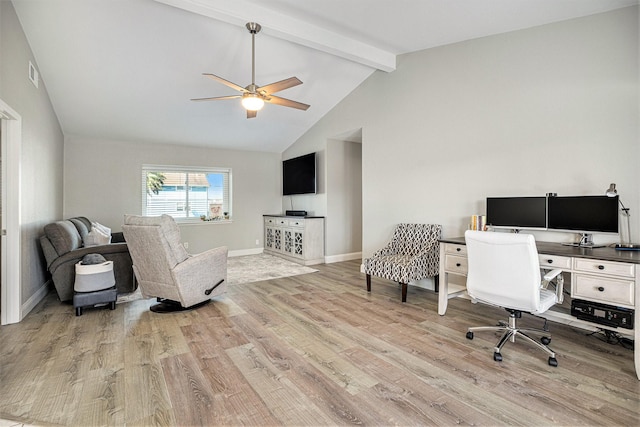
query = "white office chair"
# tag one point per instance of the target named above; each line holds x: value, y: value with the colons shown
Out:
x: 504, y: 270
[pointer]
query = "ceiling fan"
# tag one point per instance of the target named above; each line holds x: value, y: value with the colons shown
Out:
x: 254, y: 97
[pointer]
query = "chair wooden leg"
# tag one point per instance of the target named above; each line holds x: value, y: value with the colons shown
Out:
x: 404, y: 292
x: 368, y: 283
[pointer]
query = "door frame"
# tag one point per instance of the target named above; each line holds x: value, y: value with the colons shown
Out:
x: 10, y: 282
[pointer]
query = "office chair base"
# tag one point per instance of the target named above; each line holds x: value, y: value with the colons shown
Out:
x: 510, y: 332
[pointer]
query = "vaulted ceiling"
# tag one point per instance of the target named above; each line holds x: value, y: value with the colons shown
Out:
x: 127, y: 69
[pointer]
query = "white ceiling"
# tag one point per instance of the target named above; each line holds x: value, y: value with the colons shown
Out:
x: 126, y: 69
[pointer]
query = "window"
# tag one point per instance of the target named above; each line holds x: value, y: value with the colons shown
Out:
x: 186, y: 193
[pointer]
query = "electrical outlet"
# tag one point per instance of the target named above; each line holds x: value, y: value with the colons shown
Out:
x: 257, y: 242
x: 186, y: 245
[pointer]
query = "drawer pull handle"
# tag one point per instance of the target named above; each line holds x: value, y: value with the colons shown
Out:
x: 601, y: 267
x: 601, y: 288
x: 457, y: 264
x: 550, y: 261
x: 458, y: 249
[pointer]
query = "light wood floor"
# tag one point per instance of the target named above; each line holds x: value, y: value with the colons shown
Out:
x: 314, y: 349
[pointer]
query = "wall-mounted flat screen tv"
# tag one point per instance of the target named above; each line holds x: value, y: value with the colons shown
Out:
x: 583, y: 213
x: 517, y: 212
x: 299, y: 175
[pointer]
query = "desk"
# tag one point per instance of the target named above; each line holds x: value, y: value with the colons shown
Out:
x: 602, y: 275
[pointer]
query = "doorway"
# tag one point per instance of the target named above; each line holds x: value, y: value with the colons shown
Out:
x: 10, y: 286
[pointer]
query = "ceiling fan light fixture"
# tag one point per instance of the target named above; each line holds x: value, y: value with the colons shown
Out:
x: 252, y: 102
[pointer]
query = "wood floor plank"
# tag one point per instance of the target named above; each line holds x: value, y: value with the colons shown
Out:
x: 191, y: 396
x: 101, y: 402
x: 284, y: 398
x: 313, y: 349
x: 334, y: 399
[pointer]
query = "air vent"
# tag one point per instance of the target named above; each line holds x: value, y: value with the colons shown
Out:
x: 33, y: 74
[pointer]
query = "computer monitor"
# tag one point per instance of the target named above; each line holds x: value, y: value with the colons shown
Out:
x: 585, y: 214
x: 517, y: 212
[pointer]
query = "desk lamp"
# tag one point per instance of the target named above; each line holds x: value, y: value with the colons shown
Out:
x: 612, y: 192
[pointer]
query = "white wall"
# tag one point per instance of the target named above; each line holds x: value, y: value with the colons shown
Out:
x: 548, y: 109
x: 41, y: 149
x: 102, y: 181
x: 344, y: 198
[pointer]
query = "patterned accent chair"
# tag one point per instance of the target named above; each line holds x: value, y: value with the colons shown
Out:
x: 166, y: 271
x: 412, y: 254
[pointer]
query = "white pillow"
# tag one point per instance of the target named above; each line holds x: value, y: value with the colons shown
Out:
x: 105, y: 230
x: 96, y: 237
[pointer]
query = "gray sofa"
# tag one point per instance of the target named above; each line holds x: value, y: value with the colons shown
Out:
x: 63, y: 248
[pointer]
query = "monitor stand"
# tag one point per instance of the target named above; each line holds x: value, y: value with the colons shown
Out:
x: 586, y: 241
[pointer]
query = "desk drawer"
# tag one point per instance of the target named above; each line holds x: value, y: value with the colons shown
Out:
x: 606, y: 290
x: 456, y: 264
x: 452, y: 248
x: 555, y: 261
x: 609, y: 268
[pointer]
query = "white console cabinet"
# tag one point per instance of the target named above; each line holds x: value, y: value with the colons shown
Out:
x: 298, y: 239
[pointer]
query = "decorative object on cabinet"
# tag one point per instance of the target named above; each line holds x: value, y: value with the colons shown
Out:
x: 298, y: 239
x: 411, y: 254
x: 166, y: 271
x: 504, y: 270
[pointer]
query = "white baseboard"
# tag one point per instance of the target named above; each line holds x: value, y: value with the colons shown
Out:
x: 35, y: 299
x: 342, y: 257
x: 327, y: 259
x: 243, y: 252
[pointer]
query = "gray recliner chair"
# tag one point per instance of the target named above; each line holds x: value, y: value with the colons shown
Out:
x: 166, y: 271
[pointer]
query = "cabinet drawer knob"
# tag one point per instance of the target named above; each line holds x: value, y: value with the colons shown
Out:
x: 550, y: 261
x: 458, y: 249
x: 601, y: 267
x: 457, y: 264
x: 601, y: 288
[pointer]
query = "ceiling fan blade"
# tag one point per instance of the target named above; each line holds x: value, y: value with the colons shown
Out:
x: 225, y: 82
x: 217, y: 98
x: 251, y: 114
x: 286, y: 102
x: 281, y: 85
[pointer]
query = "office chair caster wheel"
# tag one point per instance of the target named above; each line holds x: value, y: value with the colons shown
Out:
x: 469, y: 335
x: 498, y: 357
x: 553, y: 361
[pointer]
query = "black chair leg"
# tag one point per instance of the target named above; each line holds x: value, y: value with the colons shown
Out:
x: 404, y: 292
x: 368, y: 283
x: 436, y: 283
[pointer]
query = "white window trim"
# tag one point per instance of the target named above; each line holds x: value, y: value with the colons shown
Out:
x: 187, y: 169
